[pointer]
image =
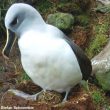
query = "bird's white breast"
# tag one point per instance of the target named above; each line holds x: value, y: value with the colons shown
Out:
x: 49, y: 61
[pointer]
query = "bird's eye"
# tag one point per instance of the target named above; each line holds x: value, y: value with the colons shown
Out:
x: 14, y: 22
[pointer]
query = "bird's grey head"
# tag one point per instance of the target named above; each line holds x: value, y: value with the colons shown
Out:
x: 20, y: 18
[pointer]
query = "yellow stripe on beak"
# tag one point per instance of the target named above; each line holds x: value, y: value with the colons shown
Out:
x: 9, y: 44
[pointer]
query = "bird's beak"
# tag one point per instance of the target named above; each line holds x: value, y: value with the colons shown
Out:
x: 9, y: 44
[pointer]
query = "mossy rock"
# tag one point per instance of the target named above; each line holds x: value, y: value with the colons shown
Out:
x: 82, y: 20
x: 104, y: 80
x: 63, y: 21
x: 103, y: 9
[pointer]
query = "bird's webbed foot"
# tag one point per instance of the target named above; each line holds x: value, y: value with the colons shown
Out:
x: 25, y: 95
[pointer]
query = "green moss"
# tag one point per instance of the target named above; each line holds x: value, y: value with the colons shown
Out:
x: 69, y: 8
x: 104, y: 80
x: 96, y: 45
x: 24, y: 77
x: 97, y: 97
x: 100, y: 100
x: 82, y: 20
x: 44, y: 6
x: 99, y: 40
x: 63, y: 21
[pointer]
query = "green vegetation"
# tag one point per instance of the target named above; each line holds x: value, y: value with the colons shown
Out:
x: 69, y: 7
x: 96, y: 45
x: 82, y: 20
x: 99, y: 39
x: 24, y: 77
x: 104, y: 80
x: 100, y: 100
x: 44, y: 6
x: 97, y: 97
x: 63, y: 21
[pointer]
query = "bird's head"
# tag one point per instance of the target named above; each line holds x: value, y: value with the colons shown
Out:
x: 20, y: 18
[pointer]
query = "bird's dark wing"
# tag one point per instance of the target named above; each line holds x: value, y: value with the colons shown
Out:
x: 83, y: 60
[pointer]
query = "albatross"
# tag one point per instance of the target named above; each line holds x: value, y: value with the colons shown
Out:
x: 48, y: 56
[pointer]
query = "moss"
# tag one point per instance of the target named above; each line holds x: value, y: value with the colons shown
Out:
x: 69, y: 8
x: 24, y: 77
x: 99, y: 40
x: 43, y: 6
x: 96, y: 45
x: 82, y: 20
x: 104, y: 80
x: 63, y: 21
x: 97, y: 97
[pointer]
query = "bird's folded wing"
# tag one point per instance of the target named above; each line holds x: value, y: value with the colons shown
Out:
x: 83, y: 60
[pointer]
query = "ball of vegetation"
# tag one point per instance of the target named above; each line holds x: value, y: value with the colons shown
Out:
x: 63, y: 21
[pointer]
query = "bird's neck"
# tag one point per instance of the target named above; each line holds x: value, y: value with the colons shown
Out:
x: 37, y: 25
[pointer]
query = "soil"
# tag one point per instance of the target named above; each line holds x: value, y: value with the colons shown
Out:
x: 50, y: 100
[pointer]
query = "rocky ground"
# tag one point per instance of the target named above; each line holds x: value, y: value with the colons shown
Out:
x: 90, y: 30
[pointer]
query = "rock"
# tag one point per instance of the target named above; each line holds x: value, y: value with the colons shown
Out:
x: 101, y: 67
x: 103, y: 9
x: 63, y: 21
x: 82, y: 20
x: 105, y: 2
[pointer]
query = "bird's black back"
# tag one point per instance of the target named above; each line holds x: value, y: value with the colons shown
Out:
x: 83, y: 60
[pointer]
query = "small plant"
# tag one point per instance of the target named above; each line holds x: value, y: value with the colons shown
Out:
x: 97, y: 97
x: 24, y: 77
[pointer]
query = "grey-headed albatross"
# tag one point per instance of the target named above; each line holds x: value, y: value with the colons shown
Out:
x: 48, y: 56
